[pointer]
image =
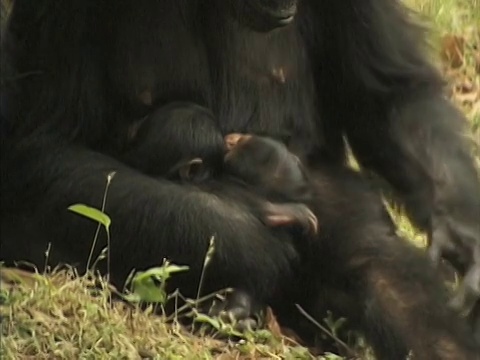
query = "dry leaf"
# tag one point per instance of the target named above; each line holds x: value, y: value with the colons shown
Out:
x: 452, y: 50
x: 290, y: 337
x: 476, y: 57
x: 272, y: 323
x: 470, y: 97
x: 15, y: 276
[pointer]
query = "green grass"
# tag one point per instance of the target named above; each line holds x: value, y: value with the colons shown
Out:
x: 448, y: 15
x: 60, y: 315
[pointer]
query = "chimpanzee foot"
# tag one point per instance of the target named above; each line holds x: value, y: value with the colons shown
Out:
x: 468, y: 293
x: 460, y: 246
x: 291, y: 214
x: 474, y: 322
x: 240, y: 310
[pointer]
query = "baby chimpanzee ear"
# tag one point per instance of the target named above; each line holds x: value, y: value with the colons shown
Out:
x: 192, y: 170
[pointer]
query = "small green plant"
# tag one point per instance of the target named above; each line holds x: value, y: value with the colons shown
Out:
x: 221, y: 327
x: 91, y: 213
x: 206, y: 262
x: 150, y: 285
x: 101, y: 218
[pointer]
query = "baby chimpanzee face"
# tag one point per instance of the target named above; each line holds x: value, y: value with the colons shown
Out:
x: 263, y: 162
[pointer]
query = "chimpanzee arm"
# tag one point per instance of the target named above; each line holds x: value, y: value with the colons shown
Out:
x: 64, y: 117
x: 151, y: 220
x: 422, y: 150
x: 388, y: 101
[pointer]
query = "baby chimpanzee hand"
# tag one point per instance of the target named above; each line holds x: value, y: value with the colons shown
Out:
x: 291, y: 214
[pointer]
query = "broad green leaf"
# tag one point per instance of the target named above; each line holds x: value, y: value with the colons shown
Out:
x: 145, y: 288
x: 161, y: 273
x: 91, y: 213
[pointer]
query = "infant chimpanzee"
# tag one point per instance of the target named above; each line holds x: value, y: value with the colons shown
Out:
x: 268, y: 165
x: 192, y: 149
x: 179, y: 141
x: 268, y: 168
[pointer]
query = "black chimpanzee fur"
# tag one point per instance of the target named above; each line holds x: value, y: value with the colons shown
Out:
x: 309, y: 72
x: 171, y: 137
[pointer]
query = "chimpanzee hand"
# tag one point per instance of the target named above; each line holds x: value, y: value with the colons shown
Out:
x: 290, y: 214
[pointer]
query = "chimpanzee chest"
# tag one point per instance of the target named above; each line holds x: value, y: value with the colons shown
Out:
x: 263, y: 84
x: 253, y: 82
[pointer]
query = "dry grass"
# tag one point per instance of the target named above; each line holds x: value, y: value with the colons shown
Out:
x: 455, y: 35
x: 63, y: 316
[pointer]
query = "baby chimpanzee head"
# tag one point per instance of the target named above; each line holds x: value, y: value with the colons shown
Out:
x: 265, y: 163
x: 179, y: 141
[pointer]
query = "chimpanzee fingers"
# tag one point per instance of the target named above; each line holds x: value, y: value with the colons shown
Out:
x: 291, y: 214
x: 310, y: 222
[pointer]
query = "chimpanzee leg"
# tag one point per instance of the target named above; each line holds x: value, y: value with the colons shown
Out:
x: 474, y: 319
x: 395, y: 296
x: 398, y: 298
x: 403, y: 297
x: 434, y: 175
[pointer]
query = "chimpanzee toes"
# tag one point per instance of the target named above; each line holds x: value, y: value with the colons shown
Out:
x: 459, y: 302
x: 247, y: 325
x: 241, y: 324
x: 435, y: 253
x: 474, y: 321
x: 468, y: 293
x: 460, y: 246
x: 235, y: 313
x: 238, y: 309
x: 439, y: 242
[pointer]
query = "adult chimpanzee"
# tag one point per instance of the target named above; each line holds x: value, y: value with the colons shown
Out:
x: 306, y: 71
